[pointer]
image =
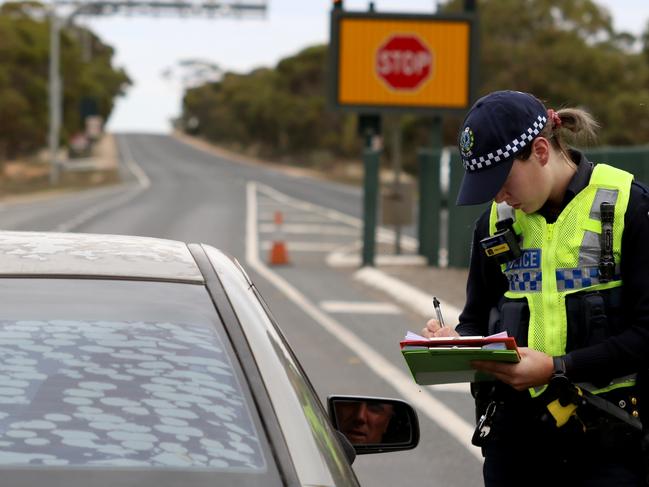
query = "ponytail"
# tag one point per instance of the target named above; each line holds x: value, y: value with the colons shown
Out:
x: 576, y: 124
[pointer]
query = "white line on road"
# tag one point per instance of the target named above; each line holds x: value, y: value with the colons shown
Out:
x: 423, y: 400
x: 462, y: 387
x: 407, y: 295
x: 360, y: 307
x: 298, y: 217
x: 383, y: 234
x: 308, y: 229
x: 303, y: 246
x: 137, y: 171
x: 310, y: 207
x: 93, y: 211
x: 345, y: 259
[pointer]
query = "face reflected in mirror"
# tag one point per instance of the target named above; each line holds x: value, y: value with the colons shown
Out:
x: 364, y: 422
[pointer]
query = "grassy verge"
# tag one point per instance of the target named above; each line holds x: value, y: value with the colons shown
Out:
x: 31, y: 176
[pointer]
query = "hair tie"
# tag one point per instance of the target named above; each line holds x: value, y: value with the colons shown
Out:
x: 555, y: 118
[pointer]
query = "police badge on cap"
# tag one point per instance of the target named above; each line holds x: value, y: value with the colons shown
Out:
x: 466, y: 142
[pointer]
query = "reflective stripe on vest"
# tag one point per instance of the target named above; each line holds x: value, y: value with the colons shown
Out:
x: 626, y: 381
x: 522, y: 278
x: 580, y: 277
x: 562, y: 257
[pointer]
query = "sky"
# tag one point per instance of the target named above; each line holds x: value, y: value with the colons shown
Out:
x: 147, y: 48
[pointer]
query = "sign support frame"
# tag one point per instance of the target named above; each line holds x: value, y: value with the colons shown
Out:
x: 377, y: 109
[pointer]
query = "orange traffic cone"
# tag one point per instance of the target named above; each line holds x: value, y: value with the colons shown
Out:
x: 278, y: 254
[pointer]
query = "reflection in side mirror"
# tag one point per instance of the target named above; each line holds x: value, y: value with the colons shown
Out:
x: 375, y: 425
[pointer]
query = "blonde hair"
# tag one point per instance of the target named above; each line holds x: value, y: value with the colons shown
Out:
x: 581, y: 125
x: 569, y: 126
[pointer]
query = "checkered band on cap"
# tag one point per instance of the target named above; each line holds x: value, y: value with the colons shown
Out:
x: 504, y: 153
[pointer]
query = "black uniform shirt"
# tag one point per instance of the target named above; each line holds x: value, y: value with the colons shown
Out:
x: 618, y: 355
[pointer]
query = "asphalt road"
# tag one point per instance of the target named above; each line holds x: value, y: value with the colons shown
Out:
x: 175, y: 191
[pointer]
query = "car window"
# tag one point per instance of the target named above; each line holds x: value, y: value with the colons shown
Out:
x: 123, y: 374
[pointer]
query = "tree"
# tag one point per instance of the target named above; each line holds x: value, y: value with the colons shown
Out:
x: 24, y: 56
x: 271, y: 111
x: 566, y: 52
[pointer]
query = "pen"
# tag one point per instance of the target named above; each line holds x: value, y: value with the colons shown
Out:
x: 438, y: 311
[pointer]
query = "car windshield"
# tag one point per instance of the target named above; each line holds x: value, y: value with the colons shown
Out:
x: 121, y: 375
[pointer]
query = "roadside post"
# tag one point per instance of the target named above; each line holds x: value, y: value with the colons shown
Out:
x: 397, y: 63
x: 54, y: 94
x: 429, y: 204
x: 430, y: 194
x: 369, y: 127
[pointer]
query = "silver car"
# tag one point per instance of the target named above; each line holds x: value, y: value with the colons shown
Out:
x: 131, y: 361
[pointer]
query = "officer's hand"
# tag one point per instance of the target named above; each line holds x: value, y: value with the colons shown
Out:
x: 534, y: 369
x: 433, y: 329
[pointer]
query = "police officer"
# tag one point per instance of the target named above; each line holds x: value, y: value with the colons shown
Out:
x: 560, y: 261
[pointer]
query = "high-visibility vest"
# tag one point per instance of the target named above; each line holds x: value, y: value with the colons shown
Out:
x: 562, y: 258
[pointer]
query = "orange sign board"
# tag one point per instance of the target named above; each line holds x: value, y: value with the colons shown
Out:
x: 418, y: 62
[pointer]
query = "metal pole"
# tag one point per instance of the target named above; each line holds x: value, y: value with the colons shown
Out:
x: 370, y: 196
x: 396, y: 186
x: 429, y: 205
x: 430, y: 200
x: 54, y: 96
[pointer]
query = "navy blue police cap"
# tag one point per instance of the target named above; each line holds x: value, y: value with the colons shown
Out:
x: 498, y: 126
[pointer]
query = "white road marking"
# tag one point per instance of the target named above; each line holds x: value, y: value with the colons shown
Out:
x: 418, y: 396
x: 92, y: 211
x: 383, y: 234
x: 308, y: 229
x: 407, y: 295
x: 292, y: 246
x: 137, y: 171
x: 297, y: 217
x: 345, y: 259
x: 360, y: 307
x: 463, y: 387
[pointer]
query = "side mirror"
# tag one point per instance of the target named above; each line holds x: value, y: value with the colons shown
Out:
x: 373, y: 424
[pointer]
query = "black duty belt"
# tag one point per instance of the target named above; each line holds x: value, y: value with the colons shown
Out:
x: 520, y: 407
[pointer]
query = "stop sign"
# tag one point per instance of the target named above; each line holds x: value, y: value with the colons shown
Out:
x: 404, y: 62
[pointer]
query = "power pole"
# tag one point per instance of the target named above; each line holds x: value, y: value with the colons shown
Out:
x: 54, y: 97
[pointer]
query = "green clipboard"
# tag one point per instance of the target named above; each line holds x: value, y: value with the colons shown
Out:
x: 441, y: 365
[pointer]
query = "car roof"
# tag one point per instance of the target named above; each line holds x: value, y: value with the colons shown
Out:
x: 49, y: 254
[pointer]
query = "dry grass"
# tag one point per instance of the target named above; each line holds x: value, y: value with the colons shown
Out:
x: 32, y: 175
